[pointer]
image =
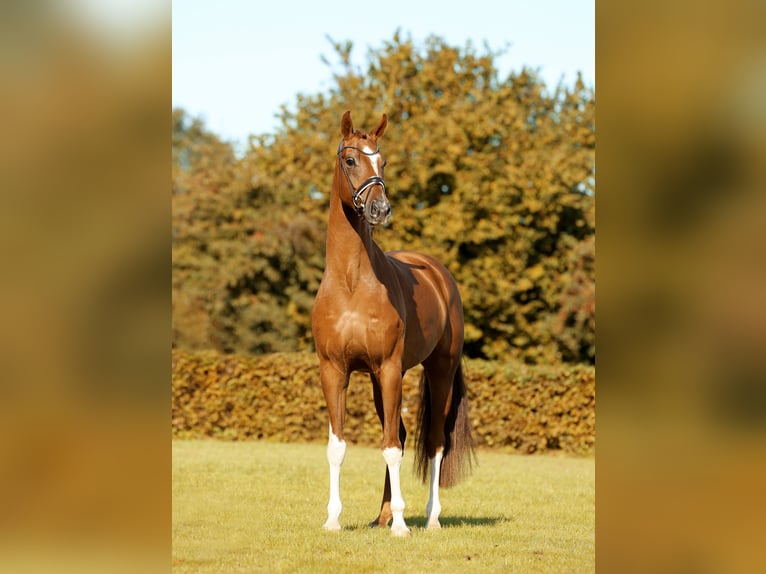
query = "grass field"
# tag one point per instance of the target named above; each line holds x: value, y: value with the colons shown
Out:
x: 259, y: 507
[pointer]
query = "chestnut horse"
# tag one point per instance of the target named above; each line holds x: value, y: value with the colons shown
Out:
x: 383, y: 313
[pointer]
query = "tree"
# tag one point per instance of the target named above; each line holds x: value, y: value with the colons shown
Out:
x: 493, y: 177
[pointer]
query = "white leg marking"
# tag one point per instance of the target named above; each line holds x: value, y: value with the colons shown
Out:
x: 336, y: 452
x: 393, y: 457
x: 434, y: 507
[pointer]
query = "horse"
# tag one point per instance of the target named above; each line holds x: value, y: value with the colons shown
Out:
x: 384, y: 313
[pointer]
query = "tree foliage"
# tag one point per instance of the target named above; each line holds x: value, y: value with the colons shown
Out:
x: 494, y: 177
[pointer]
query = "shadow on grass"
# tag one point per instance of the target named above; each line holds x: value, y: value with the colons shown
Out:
x: 419, y: 522
x: 453, y: 521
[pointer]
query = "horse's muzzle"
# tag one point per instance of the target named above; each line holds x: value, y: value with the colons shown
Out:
x: 377, y: 211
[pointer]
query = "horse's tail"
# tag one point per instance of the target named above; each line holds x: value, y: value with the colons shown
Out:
x: 459, y: 446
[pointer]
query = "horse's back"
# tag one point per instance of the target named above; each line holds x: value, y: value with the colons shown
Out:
x: 417, y: 267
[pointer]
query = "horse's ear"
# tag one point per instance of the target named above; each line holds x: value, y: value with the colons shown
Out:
x: 346, y: 127
x: 377, y: 133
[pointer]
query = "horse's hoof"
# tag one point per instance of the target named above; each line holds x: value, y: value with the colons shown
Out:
x: 376, y: 524
x: 400, y: 531
x: 380, y: 522
x: 332, y: 526
x: 434, y: 526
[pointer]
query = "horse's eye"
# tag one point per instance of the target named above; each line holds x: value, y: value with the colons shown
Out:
x: 350, y: 161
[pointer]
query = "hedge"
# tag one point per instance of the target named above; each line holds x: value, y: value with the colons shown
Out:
x: 278, y: 397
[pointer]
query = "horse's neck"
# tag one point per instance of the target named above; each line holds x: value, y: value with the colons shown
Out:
x: 351, y: 252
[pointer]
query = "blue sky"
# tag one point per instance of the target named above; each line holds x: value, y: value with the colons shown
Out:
x: 236, y: 61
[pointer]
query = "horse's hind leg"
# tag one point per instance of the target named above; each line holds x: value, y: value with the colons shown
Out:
x: 385, y: 515
x: 439, y: 373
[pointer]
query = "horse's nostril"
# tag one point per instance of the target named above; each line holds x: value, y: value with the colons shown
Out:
x: 379, y: 209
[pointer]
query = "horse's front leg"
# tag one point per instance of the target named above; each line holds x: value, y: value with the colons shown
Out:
x: 390, y: 378
x: 334, y: 385
x: 385, y: 515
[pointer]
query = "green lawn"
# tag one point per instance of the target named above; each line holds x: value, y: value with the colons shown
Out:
x: 259, y: 507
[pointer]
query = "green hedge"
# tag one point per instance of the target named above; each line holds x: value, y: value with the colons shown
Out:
x: 278, y: 397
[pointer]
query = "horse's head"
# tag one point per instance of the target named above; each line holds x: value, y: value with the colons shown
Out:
x: 362, y: 165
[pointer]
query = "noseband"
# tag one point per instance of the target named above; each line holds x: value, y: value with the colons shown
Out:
x: 367, y: 184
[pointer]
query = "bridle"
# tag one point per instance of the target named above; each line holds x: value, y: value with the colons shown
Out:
x: 367, y: 184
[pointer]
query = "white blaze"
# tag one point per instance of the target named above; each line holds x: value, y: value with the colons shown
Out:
x: 373, y: 154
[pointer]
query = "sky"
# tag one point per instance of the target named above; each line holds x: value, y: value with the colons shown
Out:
x: 235, y: 62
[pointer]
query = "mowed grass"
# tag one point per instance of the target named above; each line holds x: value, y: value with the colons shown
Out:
x: 259, y: 507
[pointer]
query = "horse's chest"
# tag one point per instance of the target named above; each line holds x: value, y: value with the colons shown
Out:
x: 353, y: 325
x: 364, y: 331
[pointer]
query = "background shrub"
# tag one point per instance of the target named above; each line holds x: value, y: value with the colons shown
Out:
x: 278, y: 397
